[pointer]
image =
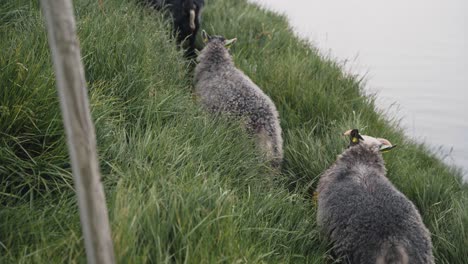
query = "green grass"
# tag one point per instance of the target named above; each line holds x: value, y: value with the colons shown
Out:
x: 182, y: 186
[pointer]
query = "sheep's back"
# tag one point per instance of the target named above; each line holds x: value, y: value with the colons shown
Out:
x: 359, y: 215
x: 233, y: 92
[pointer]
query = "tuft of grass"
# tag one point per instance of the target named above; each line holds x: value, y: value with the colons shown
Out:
x: 181, y: 185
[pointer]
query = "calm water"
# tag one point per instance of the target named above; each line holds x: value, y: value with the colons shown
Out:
x: 414, y: 54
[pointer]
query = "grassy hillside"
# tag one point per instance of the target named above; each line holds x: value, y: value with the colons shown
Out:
x: 182, y: 186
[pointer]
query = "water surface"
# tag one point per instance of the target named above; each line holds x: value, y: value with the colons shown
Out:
x: 413, y: 54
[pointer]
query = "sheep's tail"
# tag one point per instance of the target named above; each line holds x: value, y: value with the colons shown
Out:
x: 392, y: 253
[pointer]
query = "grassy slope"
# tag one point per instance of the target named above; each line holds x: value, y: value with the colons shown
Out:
x: 180, y: 185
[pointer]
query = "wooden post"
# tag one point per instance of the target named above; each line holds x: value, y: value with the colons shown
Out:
x: 79, y: 128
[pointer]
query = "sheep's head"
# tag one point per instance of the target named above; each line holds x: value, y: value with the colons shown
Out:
x: 226, y: 42
x: 381, y: 143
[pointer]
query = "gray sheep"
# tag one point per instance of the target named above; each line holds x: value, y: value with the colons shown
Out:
x: 364, y: 215
x: 222, y: 88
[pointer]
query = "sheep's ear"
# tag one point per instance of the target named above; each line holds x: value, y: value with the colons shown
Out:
x: 387, y: 148
x: 354, y: 136
x: 205, y: 36
x: 228, y: 43
x: 386, y: 145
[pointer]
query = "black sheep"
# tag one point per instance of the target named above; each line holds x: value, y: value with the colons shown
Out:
x: 186, y: 15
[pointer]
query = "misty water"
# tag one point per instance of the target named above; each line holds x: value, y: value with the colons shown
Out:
x: 413, y: 54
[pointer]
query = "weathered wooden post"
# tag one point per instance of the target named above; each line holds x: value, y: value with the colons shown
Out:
x: 79, y: 128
